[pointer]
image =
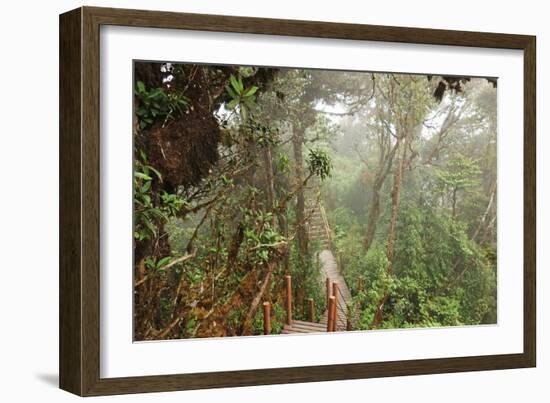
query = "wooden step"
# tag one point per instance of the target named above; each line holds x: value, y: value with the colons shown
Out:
x: 316, y: 327
x: 305, y: 323
x: 303, y: 327
x: 287, y: 330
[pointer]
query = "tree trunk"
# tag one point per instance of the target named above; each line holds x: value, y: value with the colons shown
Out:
x: 270, y: 185
x: 247, y: 323
x: 374, y: 209
x: 390, y: 247
x: 396, y: 198
x: 301, y: 233
x: 487, y: 211
x: 374, y: 215
x: 283, y: 223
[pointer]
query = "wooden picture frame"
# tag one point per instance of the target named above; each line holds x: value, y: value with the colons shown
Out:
x: 79, y: 201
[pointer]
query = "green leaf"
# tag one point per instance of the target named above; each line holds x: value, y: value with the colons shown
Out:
x: 237, y: 84
x: 142, y: 176
x: 149, y: 262
x: 249, y: 101
x: 231, y: 105
x: 146, y: 187
x: 143, y: 155
x: 159, y: 214
x: 240, y: 83
x: 159, y: 176
x: 163, y: 262
x: 250, y: 91
x: 244, y: 112
x: 140, y: 86
x: 190, y: 325
x: 231, y: 93
x: 151, y: 227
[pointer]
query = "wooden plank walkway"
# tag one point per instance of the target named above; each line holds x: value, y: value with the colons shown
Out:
x: 300, y: 326
x: 330, y: 271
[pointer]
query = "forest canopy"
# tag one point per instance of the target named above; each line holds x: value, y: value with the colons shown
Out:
x: 383, y: 183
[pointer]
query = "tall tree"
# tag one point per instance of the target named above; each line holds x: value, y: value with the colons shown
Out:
x: 410, y: 100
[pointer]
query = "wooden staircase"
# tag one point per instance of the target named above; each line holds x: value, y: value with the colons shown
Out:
x: 318, y: 226
x: 319, y: 230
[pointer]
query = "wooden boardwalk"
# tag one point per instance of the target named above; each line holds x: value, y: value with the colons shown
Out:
x: 318, y: 229
x: 332, y: 272
x: 300, y: 326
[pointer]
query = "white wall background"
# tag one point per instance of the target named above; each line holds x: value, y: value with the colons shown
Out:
x: 29, y: 199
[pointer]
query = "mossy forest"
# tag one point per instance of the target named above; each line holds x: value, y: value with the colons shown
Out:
x: 288, y: 200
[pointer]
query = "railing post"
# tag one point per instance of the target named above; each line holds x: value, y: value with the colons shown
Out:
x: 348, y: 318
x: 329, y: 291
x: 267, y: 318
x: 333, y: 314
x: 288, y: 300
x: 311, y: 310
x: 335, y: 295
x: 330, y: 312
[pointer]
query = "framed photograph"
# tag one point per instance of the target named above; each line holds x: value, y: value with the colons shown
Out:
x: 249, y: 201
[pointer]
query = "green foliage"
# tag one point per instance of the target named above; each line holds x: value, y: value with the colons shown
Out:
x: 441, y: 277
x: 461, y: 173
x: 366, y: 274
x: 283, y: 164
x: 235, y: 319
x: 319, y: 163
x: 306, y: 277
x: 259, y: 235
x: 263, y: 135
x: 152, y: 264
x: 242, y: 97
x: 278, y: 317
x: 155, y: 104
x: 151, y: 209
x: 146, y: 214
x: 171, y: 203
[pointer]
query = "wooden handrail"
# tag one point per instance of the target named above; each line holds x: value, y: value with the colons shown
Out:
x: 311, y: 310
x: 325, y: 224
